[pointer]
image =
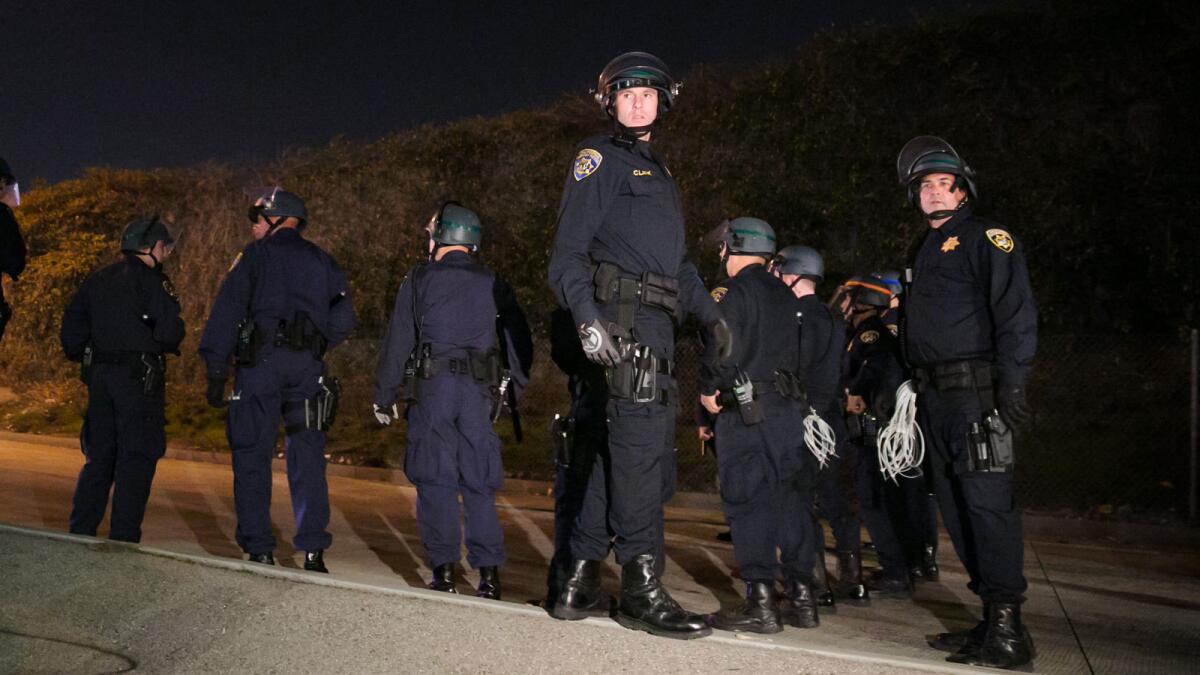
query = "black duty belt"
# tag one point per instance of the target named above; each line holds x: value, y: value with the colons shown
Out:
x: 614, y: 284
x: 955, y: 376
x: 123, y: 358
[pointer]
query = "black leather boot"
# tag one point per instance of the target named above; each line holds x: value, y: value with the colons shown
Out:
x: 929, y: 566
x: 1006, y: 643
x: 889, y: 586
x: 646, y: 605
x: 489, y: 583
x: 820, y: 585
x: 799, y: 607
x: 758, y: 613
x: 443, y: 579
x: 849, y: 586
x: 314, y: 561
x: 581, y: 595
x: 263, y: 558
x: 955, y: 641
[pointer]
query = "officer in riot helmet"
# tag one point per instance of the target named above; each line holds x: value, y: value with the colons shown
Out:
x: 458, y: 345
x: 970, y: 333
x: 282, y: 306
x: 120, y: 325
x: 619, y: 265
x: 765, y: 472
x: 822, y: 343
x: 12, y: 244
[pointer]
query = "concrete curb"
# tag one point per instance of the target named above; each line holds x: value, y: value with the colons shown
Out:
x: 315, y: 579
x: 1038, y: 525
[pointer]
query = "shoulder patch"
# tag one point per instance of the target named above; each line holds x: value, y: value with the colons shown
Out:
x: 586, y: 163
x: 1000, y: 239
x: 868, y: 336
x: 170, y: 289
x: 236, y: 260
x: 718, y: 293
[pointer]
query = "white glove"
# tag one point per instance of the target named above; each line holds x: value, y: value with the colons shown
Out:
x: 385, y: 415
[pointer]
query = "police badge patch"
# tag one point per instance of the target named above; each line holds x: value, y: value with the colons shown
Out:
x: 1000, y: 239
x: 868, y: 337
x: 718, y: 293
x: 586, y: 163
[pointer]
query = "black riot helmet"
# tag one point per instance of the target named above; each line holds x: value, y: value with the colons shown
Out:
x: 276, y: 204
x: 141, y: 234
x: 924, y: 155
x: 743, y: 236
x: 870, y: 291
x: 636, y: 69
x: 801, y: 261
x: 456, y: 225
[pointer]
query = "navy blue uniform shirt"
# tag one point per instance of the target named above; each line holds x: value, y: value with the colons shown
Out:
x: 873, y: 366
x: 456, y: 303
x: 621, y: 206
x: 275, y: 277
x: 971, y: 299
x: 761, y: 313
x: 127, y: 306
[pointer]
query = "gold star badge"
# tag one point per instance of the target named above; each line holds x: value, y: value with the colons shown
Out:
x: 950, y: 245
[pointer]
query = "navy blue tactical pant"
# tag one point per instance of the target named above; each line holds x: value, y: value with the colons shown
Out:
x: 451, y: 450
x: 766, y: 491
x: 978, y: 508
x: 884, y: 511
x: 122, y: 439
x: 264, y: 397
x: 633, y: 475
x: 835, y: 490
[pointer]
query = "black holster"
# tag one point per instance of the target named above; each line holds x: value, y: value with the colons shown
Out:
x: 320, y: 410
x: 635, y: 376
x: 154, y: 368
x: 245, y: 347
x: 85, y: 365
x: 790, y: 386
x: 300, y: 334
x: 989, y: 447
x: 562, y: 437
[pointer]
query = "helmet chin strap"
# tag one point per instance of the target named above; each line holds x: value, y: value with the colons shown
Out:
x: 944, y: 213
x: 627, y: 136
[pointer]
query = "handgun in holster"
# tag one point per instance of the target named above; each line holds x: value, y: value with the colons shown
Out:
x: 562, y: 437
x: 153, y: 371
x: 989, y: 446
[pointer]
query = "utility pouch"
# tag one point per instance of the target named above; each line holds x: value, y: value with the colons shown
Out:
x: 660, y: 291
x: 791, y: 387
x: 485, y: 367
x: 605, y: 280
x: 153, y: 372
x: 989, y: 447
x: 301, y: 335
x: 870, y: 429
x: 245, y: 349
x: 85, y: 366
x: 749, y: 408
x: 562, y: 437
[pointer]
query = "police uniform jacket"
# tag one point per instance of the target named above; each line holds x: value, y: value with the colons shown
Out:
x: 455, y: 306
x: 822, y: 339
x: 127, y: 307
x: 272, y: 279
x: 873, y: 365
x: 620, y: 205
x: 761, y: 313
x: 971, y: 299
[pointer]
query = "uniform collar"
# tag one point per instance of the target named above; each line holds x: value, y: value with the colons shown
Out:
x: 286, y: 233
x: 456, y: 256
x: 751, y: 269
x: 950, y: 226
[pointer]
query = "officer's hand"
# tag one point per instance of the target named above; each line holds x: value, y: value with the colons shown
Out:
x: 385, y: 415
x: 855, y: 404
x: 706, y: 433
x: 1014, y: 410
x: 710, y: 403
x: 216, y: 392
x: 598, y: 345
x: 721, y: 339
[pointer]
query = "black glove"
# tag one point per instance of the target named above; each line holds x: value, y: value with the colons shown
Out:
x: 721, y: 339
x: 1014, y: 410
x: 216, y: 392
x: 598, y: 345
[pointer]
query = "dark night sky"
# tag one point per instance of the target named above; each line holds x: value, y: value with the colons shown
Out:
x: 140, y: 84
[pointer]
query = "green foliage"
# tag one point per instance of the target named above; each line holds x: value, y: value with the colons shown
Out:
x: 1077, y: 117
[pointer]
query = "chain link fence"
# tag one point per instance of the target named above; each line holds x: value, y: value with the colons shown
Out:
x: 1111, y: 433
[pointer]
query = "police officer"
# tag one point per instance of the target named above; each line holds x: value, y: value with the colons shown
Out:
x: 760, y: 455
x: 120, y: 323
x: 822, y: 340
x: 284, y: 303
x: 618, y: 264
x: 12, y: 245
x: 444, y: 328
x: 873, y: 373
x: 970, y: 331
